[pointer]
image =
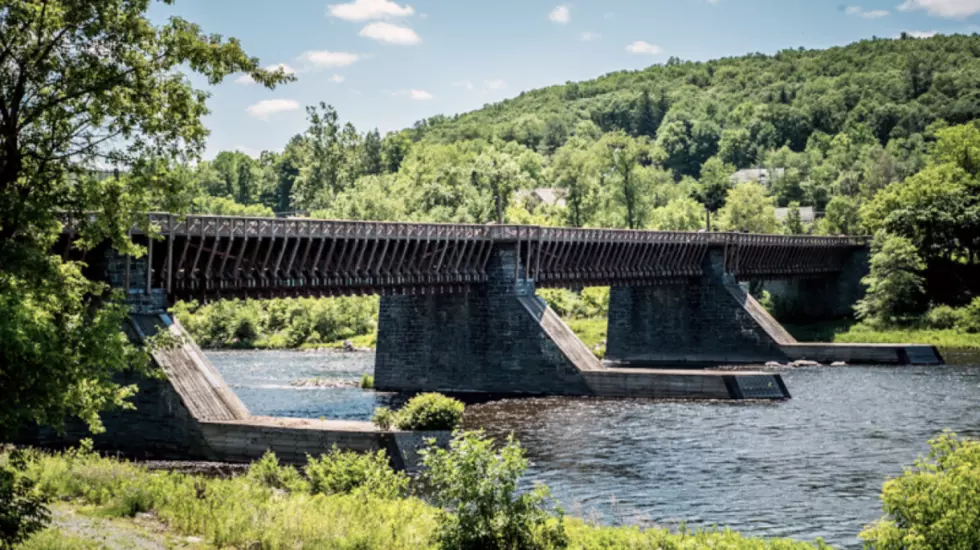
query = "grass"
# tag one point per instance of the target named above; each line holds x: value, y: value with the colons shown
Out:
x: 243, y: 512
x: 592, y: 333
x: 952, y: 339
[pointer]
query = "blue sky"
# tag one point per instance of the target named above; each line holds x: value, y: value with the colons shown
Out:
x: 386, y: 64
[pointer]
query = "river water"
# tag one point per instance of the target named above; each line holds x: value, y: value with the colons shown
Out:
x: 809, y: 467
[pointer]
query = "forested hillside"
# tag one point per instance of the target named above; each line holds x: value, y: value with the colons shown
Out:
x: 879, y: 137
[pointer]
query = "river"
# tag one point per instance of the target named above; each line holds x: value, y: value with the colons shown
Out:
x: 809, y: 467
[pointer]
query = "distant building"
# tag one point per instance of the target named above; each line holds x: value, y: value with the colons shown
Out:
x: 807, y: 214
x: 758, y: 175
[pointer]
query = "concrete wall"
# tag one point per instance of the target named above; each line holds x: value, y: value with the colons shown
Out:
x: 820, y: 298
x: 481, y: 341
x: 693, y: 321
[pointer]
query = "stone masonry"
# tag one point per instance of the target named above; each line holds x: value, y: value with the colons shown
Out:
x: 820, y: 298
x: 481, y: 341
x: 697, y: 321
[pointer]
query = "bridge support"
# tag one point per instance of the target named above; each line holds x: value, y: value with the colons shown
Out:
x: 708, y: 320
x: 820, y: 298
x: 486, y: 340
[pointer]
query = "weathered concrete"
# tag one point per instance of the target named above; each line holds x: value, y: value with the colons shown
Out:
x: 697, y: 321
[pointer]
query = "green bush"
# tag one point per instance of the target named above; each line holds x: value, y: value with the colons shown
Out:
x: 384, y: 418
x: 479, y: 485
x: 367, y: 382
x: 268, y: 472
x: 943, y: 317
x: 347, y: 472
x: 430, y: 411
x: 970, y: 317
x: 23, y: 509
x: 588, y: 303
x: 935, y: 504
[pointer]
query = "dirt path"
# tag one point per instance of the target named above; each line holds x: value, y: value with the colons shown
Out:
x: 144, y: 532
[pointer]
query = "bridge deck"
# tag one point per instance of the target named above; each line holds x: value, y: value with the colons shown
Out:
x: 198, y: 256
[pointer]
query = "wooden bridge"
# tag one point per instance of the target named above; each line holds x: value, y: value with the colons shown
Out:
x: 214, y: 256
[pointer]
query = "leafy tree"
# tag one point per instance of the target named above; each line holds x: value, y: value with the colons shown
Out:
x: 684, y: 214
x: 841, y: 217
x: 716, y: 181
x: 794, y: 222
x: 622, y: 156
x: 574, y: 169
x: 895, y: 290
x: 372, y: 162
x: 84, y: 82
x: 478, y: 486
x: 645, y: 120
x: 748, y: 209
x: 501, y: 175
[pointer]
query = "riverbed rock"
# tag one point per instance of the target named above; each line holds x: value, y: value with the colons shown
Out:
x: 348, y: 346
x: 805, y: 363
x: 773, y: 364
x: 838, y: 364
x: 324, y: 383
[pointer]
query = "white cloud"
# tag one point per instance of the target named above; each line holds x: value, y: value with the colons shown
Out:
x: 589, y: 36
x: 266, y: 107
x: 363, y: 10
x: 465, y: 84
x: 495, y: 84
x: 390, y: 33
x: 867, y: 14
x: 337, y: 78
x: 247, y: 79
x: 943, y: 8
x: 417, y: 95
x: 920, y: 34
x: 560, y: 14
x: 642, y: 47
x: 328, y: 59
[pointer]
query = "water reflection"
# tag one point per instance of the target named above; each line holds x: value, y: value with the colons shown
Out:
x: 809, y: 467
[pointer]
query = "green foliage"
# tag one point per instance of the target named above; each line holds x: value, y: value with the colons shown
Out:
x: 268, y: 472
x: 23, y: 510
x: 793, y: 222
x: 384, y: 418
x: 222, y: 206
x: 841, y: 217
x: 684, y: 214
x: 946, y: 339
x: 935, y: 503
x: 479, y: 486
x: 588, y: 303
x: 67, y: 108
x: 430, y: 411
x: 347, y: 472
x: 367, y: 382
x: 894, y: 284
x: 970, y: 317
x: 749, y: 209
x: 240, y: 512
x: 943, y: 317
x: 278, y: 323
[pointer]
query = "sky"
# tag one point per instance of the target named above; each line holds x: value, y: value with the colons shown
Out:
x: 386, y: 64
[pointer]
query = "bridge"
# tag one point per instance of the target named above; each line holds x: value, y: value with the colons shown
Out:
x: 206, y: 257
x: 459, y: 313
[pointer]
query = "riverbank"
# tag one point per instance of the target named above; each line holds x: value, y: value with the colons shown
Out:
x: 103, y: 502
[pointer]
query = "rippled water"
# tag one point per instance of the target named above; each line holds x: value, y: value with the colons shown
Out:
x: 805, y: 468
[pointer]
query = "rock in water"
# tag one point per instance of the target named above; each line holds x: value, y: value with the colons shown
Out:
x: 348, y: 346
x: 838, y: 364
x: 805, y: 363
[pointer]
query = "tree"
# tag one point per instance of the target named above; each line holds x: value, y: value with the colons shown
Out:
x: 371, y: 157
x: 895, y: 290
x: 748, y: 208
x: 683, y: 214
x: 82, y: 83
x: 716, y: 180
x: 326, y: 158
x: 501, y: 175
x: 841, y: 217
x: 794, y: 222
x: 622, y: 156
x: 573, y: 169
x: 645, y: 121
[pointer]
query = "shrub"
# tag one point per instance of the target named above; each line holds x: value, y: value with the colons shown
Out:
x: 268, y: 472
x: 347, y: 472
x: 943, y: 317
x: 934, y: 504
x: 367, y: 382
x: 430, y: 411
x: 895, y: 288
x: 478, y: 485
x: 384, y: 418
x: 22, y: 506
x: 970, y: 317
